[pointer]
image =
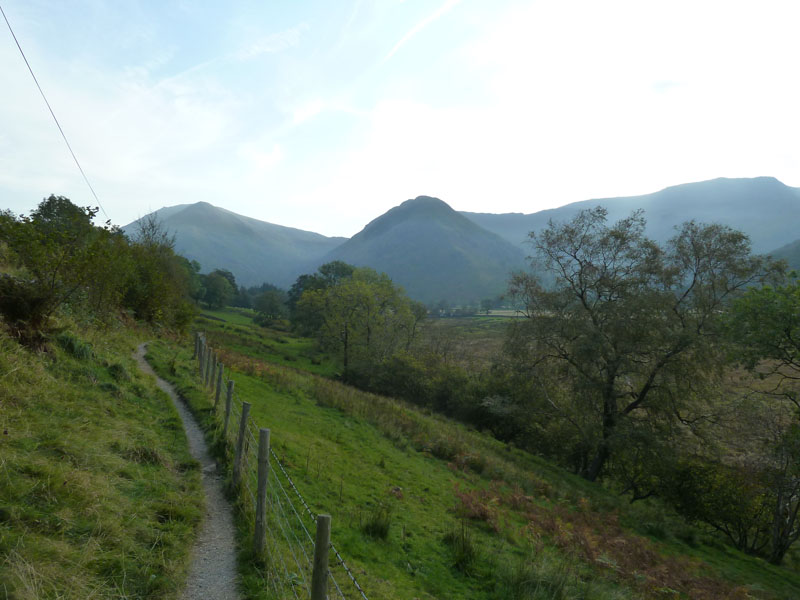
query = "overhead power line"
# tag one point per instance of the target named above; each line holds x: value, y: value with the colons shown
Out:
x: 63, y: 135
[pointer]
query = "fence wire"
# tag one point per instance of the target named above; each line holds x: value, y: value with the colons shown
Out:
x: 289, y: 548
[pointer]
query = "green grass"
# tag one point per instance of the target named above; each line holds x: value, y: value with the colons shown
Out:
x: 233, y: 329
x: 530, y: 529
x: 99, y: 497
x: 230, y: 314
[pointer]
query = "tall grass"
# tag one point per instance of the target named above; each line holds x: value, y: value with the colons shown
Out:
x: 465, y: 550
x: 99, y: 497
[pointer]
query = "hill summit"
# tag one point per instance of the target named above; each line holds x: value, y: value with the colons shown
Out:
x: 254, y: 251
x: 434, y: 252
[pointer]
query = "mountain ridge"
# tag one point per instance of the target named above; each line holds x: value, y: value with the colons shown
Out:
x: 254, y: 251
x: 427, y: 246
x: 738, y: 202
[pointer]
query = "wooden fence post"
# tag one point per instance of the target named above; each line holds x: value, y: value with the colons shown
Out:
x: 219, y: 385
x: 228, y: 403
x: 260, y: 537
x: 319, y: 577
x: 208, y: 364
x: 237, y: 463
x: 213, y: 379
x: 196, y: 343
x: 201, y: 358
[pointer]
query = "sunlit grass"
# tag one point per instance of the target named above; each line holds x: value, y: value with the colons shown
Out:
x: 99, y: 497
x: 234, y: 329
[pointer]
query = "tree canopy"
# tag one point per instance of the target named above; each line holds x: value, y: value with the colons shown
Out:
x: 765, y: 325
x: 357, y: 313
x: 629, y: 327
x: 59, y: 257
x: 270, y: 306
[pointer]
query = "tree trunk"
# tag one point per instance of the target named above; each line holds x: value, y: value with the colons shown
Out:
x: 346, y: 348
x: 609, y: 424
x: 598, y: 462
x: 776, y: 555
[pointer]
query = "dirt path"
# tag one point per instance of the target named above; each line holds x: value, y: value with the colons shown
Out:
x: 212, y: 574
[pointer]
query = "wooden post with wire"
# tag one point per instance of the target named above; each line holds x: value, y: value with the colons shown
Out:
x: 319, y: 576
x: 260, y: 536
x: 239, y: 458
x: 201, y: 358
x: 208, y: 364
x: 228, y: 403
x: 219, y: 385
x: 213, y: 378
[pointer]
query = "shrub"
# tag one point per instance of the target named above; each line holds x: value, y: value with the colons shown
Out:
x: 73, y: 346
x: 378, y: 521
x: 478, y: 505
x: 118, y: 372
x: 535, y: 578
x: 465, y: 552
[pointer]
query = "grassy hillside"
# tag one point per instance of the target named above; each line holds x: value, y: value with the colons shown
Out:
x: 234, y: 328
x: 99, y: 497
x: 467, y: 517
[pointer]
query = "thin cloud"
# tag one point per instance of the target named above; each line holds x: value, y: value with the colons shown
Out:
x: 440, y: 12
x: 274, y: 42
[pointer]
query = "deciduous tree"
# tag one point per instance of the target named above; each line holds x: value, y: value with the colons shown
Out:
x: 765, y: 324
x: 364, y: 318
x: 270, y: 307
x: 630, y: 327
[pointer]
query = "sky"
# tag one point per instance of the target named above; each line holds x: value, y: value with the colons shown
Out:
x: 323, y: 115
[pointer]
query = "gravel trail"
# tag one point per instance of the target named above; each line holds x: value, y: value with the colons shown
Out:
x: 212, y: 573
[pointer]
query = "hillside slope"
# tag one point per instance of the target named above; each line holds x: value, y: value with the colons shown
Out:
x: 99, y: 496
x: 763, y: 207
x: 433, y: 252
x: 254, y: 251
x: 790, y: 253
x: 464, y: 516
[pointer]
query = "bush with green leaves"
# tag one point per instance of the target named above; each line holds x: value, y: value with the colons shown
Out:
x: 57, y: 258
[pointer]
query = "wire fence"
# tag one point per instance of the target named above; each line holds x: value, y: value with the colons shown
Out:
x: 289, y: 544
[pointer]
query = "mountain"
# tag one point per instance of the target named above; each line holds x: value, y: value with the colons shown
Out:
x: 433, y: 252
x: 437, y: 253
x: 790, y: 253
x: 254, y: 251
x: 763, y: 207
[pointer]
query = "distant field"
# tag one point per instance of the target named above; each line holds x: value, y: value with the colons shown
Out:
x: 468, y: 341
x: 504, y: 313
